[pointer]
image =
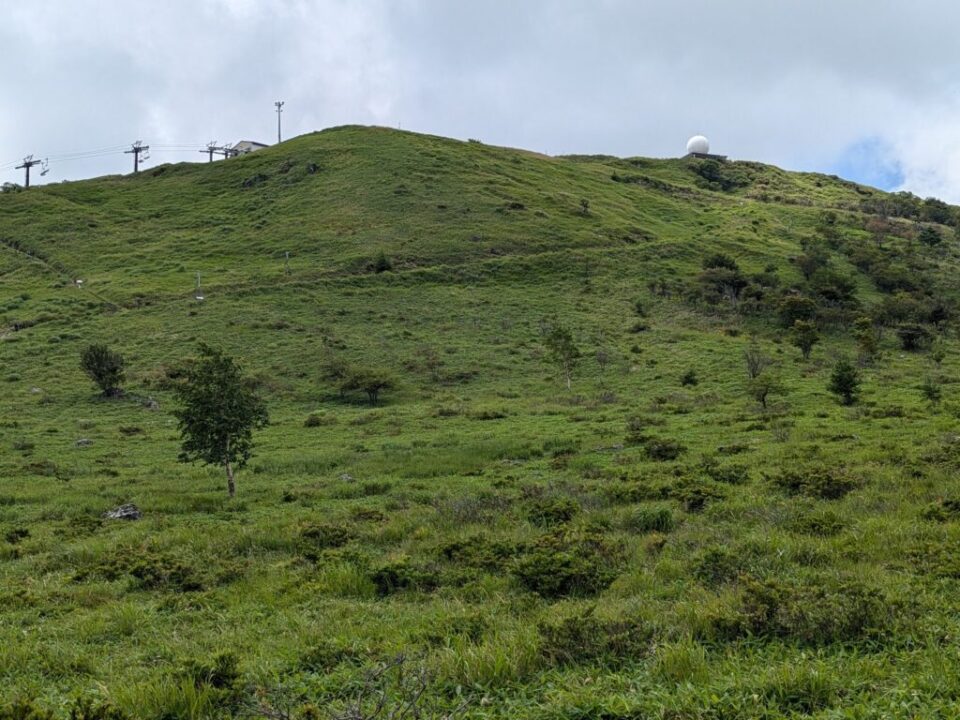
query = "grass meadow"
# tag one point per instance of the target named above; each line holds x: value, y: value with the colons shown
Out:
x: 652, y: 543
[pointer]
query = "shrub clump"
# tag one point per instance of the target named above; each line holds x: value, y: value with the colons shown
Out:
x: 716, y: 566
x: 812, y: 614
x: 943, y: 510
x: 396, y: 574
x: 823, y: 523
x: 586, y: 638
x: 662, y: 449
x: 567, y: 563
x: 550, y: 511
x: 826, y: 483
x: 326, y: 535
x: 732, y: 474
x: 479, y: 552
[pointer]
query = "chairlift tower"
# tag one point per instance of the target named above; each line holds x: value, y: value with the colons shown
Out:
x: 136, y: 150
x: 29, y: 162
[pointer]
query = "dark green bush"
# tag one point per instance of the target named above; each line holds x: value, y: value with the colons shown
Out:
x: 662, y: 449
x: 165, y: 572
x: 584, y: 638
x: 826, y: 483
x: 16, y: 534
x: 479, y: 552
x: 221, y: 671
x: 326, y: 535
x: 569, y: 564
x: 815, y: 614
x: 398, y: 574
x: 732, y: 474
x: 716, y: 566
x: 823, y: 523
x: 550, y: 511
x: 943, y: 510
x: 694, y: 494
x: 913, y: 337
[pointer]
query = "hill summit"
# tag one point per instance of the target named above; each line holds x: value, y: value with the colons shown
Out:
x: 650, y: 438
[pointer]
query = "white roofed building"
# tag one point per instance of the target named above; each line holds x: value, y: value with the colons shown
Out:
x: 246, y: 146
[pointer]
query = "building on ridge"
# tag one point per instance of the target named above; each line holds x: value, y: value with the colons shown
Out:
x: 699, y: 147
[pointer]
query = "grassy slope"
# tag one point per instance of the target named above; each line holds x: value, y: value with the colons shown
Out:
x: 485, y: 242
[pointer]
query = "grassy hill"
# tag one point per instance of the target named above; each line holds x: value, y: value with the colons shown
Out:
x: 651, y: 543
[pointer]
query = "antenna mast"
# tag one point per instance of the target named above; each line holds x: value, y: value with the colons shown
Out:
x: 279, y: 104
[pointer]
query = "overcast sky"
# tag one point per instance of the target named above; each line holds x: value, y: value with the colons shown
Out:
x: 868, y: 89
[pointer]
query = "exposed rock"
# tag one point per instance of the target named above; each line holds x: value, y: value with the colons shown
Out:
x: 84, y: 442
x: 124, y: 512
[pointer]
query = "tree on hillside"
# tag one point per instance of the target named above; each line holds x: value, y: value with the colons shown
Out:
x: 220, y: 411
x: 563, y: 351
x: 755, y: 359
x: 804, y: 335
x: 865, y: 333
x: 371, y: 381
x: 763, y: 386
x: 845, y: 381
x: 105, y: 368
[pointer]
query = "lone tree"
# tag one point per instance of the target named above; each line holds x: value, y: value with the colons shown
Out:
x: 563, y: 351
x: 763, y: 386
x: 105, y: 368
x: 845, y: 381
x: 804, y: 335
x: 369, y: 380
x: 220, y: 411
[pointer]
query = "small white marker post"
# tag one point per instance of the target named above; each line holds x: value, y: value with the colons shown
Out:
x: 199, y: 293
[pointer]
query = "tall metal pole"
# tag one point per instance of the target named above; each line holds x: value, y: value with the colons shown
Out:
x: 279, y: 104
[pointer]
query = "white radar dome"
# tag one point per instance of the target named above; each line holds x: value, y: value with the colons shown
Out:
x: 698, y: 144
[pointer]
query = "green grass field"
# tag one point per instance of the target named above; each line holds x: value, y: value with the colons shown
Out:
x: 636, y: 547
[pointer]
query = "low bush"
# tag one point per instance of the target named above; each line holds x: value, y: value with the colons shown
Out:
x: 550, y: 511
x: 694, y: 494
x: 221, y: 671
x: 480, y: 552
x: 326, y: 535
x: 568, y: 563
x: 814, y: 614
x: 826, y: 483
x: 662, y: 449
x: 716, y: 566
x: 396, y: 574
x: 822, y: 523
x: 943, y: 510
x: 732, y: 474
x: 585, y: 638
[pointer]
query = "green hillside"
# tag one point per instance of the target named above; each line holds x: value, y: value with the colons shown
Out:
x: 662, y: 540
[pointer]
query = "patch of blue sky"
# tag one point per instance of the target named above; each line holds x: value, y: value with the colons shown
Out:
x: 870, y: 161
